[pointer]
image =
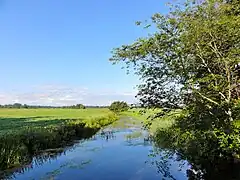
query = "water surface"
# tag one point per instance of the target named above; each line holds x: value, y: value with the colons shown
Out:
x: 118, y: 152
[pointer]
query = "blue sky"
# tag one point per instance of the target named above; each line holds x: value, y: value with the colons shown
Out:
x: 56, y: 52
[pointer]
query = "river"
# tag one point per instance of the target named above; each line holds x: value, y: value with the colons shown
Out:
x: 121, y: 151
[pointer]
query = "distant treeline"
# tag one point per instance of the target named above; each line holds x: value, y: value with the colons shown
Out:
x: 25, y: 106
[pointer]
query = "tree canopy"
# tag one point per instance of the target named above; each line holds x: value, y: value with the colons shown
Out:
x: 192, y: 62
x: 193, y: 52
x: 118, y: 106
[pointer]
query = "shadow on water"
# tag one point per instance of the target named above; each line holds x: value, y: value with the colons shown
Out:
x: 161, y: 158
x: 116, y: 152
x: 224, y: 171
x: 164, y: 160
x: 119, y: 151
x: 38, y: 160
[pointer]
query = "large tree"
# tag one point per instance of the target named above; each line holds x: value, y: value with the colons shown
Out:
x: 192, y: 62
x: 192, y: 57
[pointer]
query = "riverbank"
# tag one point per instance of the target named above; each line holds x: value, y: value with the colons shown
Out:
x: 27, y: 132
x: 200, y: 148
x: 119, y: 151
x: 154, y: 124
x: 146, y: 117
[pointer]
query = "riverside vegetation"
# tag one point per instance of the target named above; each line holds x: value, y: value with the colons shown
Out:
x: 27, y: 133
x: 190, y: 68
x: 166, y: 137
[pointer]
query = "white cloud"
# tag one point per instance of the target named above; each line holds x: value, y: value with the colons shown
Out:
x: 58, y: 95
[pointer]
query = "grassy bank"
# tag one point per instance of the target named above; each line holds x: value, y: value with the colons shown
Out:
x: 25, y: 133
x: 136, y: 114
x: 206, y: 150
x: 146, y: 117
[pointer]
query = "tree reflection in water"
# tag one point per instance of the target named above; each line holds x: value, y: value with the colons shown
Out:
x: 33, y: 161
x: 161, y: 159
x: 108, y: 134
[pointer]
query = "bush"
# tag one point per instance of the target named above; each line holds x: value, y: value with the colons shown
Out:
x: 119, y: 106
x: 80, y: 106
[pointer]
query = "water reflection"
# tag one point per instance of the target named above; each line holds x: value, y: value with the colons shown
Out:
x: 112, y: 153
x: 107, y: 134
x: 35, y: 162
x: 119, y: 152
x: 162, y: 160
x: 223, y: 171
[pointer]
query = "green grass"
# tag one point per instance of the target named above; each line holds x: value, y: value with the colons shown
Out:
x: 65, y: 113
x: 25, y: 133
x: 164, y: 122
x: 156, y: 123
x: 135, y: 113
x: 138, y: 114
x: 12, y: 120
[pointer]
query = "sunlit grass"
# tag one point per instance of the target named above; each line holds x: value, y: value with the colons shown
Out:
x: 20, y: 119
x: 147, y: 115
x: 27, y: 132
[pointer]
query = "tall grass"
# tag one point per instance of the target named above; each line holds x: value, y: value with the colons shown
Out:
x: 148, y: 119
x: 22, y: 135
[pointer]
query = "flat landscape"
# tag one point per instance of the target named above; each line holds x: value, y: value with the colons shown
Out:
x: 85, y: 94
x: 20, y: 119
x: 26, y: 132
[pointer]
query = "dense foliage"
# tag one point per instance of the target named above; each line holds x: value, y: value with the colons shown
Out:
x: 192, y: 62
x: 119, y: 106
x: 77, y: 106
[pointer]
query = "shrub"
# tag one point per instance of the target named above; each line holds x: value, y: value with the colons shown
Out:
x: 119, y: 106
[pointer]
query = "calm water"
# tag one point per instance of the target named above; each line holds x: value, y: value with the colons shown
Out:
x: 120, y: 151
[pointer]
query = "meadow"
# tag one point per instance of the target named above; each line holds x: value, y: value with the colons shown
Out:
x: 29, y: 133
x: 15, y: 120
x: 25, y: 133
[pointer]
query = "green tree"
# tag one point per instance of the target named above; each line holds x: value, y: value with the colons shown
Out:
x: 119, y: 106
x: 25, y: 106
x: 192, y: 62
x: 17, y: 105
x: 80, y: 106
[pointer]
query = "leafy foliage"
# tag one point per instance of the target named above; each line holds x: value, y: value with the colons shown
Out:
x: 192, y: 62
x: 79, y: 106
x: 119, y: 106
x: 191, y: 55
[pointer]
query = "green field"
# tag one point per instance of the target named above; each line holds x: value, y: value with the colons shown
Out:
x: 28, y: 132
x: 20, y: 119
